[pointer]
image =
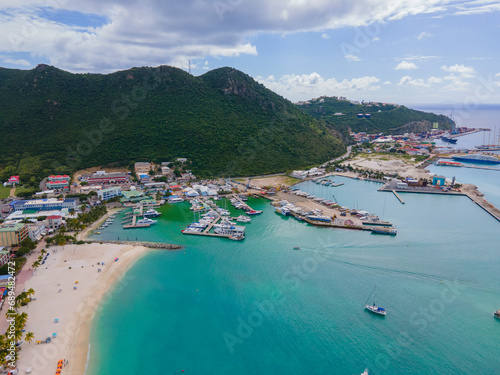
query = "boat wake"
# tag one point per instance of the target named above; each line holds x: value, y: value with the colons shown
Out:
x: 420, y: 275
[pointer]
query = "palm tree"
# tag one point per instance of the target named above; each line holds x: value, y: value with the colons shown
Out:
x: 29, y: 336
x: 30, y: 292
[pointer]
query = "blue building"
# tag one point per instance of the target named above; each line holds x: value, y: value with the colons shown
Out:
x: 438, y: 180
x: 49, y: 204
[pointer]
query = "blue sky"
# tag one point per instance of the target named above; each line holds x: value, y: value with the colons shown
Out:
x: 402, y: 51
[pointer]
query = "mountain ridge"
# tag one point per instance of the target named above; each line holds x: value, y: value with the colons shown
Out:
x: 224, y: 121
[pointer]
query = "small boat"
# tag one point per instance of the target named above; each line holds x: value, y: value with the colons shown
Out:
x: 374, y: 308
x: 236, y: 238
x: 254, y: 212
x: 496, y: 314
x: 385, y: 230
x: 296, y: 248
x: 243, y: 219
x: 97, y: 232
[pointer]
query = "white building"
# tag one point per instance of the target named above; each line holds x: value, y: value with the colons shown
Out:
x: 109, y: 193
x: 35, y: 231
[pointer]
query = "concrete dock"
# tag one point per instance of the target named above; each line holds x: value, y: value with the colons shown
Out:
x: 397, y: 196
x: 473, y: 195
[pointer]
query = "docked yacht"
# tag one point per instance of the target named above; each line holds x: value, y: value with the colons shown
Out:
x: 228, y: 229
x: 151, y: 213
x: 243, y: 219
x: 145, y: 221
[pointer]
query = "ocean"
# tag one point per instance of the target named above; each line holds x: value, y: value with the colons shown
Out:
x: 259, y: 307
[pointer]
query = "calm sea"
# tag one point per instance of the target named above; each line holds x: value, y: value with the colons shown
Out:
x: 260, y: 307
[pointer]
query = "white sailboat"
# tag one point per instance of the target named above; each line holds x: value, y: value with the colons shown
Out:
x: 373, y: 307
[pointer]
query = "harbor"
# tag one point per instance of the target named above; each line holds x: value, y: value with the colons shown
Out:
x: 320, y: 212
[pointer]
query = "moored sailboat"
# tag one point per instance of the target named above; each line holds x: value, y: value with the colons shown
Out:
x: 373, y: 308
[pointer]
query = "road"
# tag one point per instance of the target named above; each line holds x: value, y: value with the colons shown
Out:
x: 346, y: 155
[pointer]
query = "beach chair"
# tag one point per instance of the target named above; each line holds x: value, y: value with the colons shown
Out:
x: 56, y: 320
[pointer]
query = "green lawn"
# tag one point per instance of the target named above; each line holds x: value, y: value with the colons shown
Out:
x: 22, y: 189
x: 4, y: 191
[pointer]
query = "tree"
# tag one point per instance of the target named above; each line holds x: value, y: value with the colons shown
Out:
x: 29, y: 336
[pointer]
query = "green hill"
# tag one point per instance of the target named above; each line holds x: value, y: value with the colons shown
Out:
x: 386, y: 118
x: 225, y: 122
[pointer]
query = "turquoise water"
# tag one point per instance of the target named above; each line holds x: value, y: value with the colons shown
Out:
x: 259, y: 307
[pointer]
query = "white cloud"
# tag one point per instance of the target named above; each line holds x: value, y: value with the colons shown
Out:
x: 475, y: 7
x: 423, y: 35
x: 418, y: 58
x: 419, y: 82
x: 154, y: 32
x: 405, y: 65
x: 325, y: 36
x: 376, y: 39
x: 431, y: 80
x: 408, y: 81
x: 299, y: 87
x: 352, y: 58
x: 20, y: 62
x: 461, y: 70
x: 387, y: 83
x: 497, y: 80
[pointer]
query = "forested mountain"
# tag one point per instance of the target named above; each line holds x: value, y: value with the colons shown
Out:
x: 226, y: 123
x: 386, y: 118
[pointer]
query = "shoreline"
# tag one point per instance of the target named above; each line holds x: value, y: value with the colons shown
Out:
x: 75, y: 309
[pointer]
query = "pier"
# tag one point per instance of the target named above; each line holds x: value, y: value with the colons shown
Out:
x: 484, y: 204
x: 337, y: 214
x: 206, y: 231
x: 397, y: 196
x: 473, y: 195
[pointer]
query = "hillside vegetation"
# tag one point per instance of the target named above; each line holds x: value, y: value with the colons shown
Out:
x: 386, y: 118
x: 225, y: 122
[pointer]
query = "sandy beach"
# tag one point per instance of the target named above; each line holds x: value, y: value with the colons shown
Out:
x: 56, y: 298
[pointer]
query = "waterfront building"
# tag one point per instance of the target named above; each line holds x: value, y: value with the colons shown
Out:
x: 12, y: 234
x: 438, y: 180
x: 54, y: 221
x: 48, y: 204
x: 109, y: 193
x: 35, y: 231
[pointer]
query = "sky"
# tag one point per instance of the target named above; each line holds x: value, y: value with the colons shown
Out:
x: 399, y: 51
